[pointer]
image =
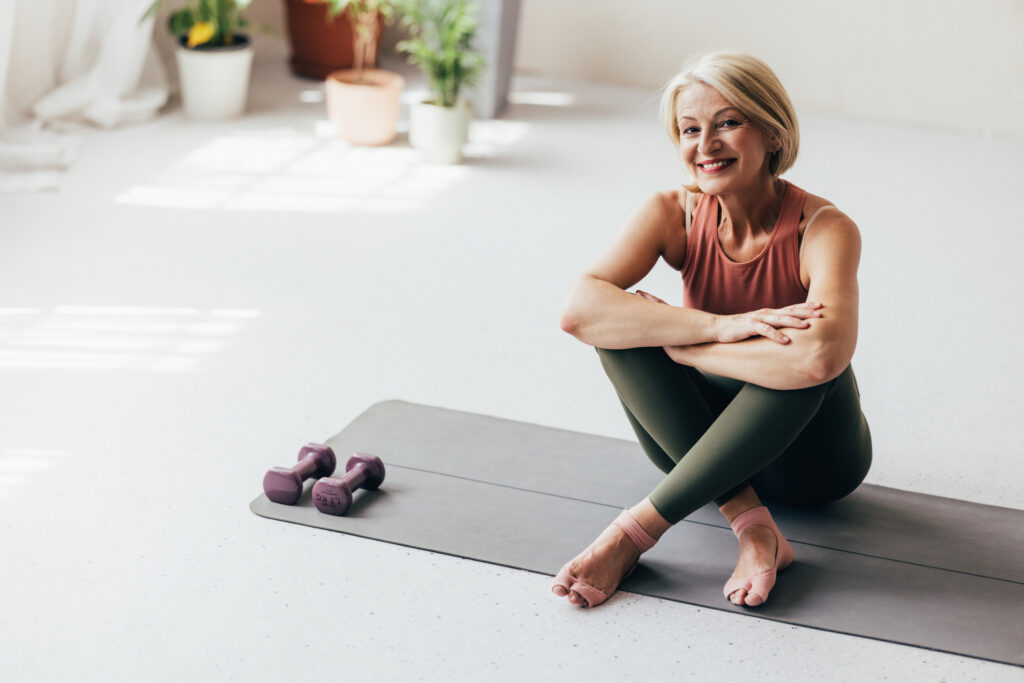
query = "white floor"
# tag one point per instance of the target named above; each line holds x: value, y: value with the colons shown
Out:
x: 199, y: 300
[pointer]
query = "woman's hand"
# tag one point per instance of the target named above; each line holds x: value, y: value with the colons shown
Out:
x: 766, y: 322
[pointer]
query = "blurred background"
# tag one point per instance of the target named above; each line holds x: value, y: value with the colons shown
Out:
x: 186, y: 300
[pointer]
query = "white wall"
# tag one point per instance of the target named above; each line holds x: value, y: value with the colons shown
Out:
x: 949, y: 64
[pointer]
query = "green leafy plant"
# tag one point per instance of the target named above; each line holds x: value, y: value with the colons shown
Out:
x: 363, y: 15
x: 440, y: 43
x: 212, y: 23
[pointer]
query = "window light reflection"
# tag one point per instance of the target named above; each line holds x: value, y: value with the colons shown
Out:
x: 282, y: 169
x: 156, y: 339
x: 22, y: 466
x: 542, y: 99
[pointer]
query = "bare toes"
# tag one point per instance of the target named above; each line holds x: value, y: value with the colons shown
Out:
x: 559, y: 590
x: 738, y: 596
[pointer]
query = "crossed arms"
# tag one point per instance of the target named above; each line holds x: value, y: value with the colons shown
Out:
x: 792, y: 348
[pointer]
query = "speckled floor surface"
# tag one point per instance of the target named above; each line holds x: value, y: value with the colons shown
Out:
x: 198, y: 300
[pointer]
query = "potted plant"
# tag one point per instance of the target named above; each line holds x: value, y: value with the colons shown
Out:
x: 441, y: 44
x: 214, y: 58
x: 320, y: 42
x: 363, y: 102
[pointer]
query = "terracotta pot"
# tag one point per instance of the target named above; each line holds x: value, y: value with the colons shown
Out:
x: 364, y: 113
x: 318, y: 46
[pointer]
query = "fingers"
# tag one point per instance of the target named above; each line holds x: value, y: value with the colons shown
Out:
x: 809, y: 309
x: 786, y: 321
x: 766, y: 330
x: 792, y: 316
x: 766, y: 322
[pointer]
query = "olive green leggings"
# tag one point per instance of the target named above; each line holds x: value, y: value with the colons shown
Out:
x: 712, y: 435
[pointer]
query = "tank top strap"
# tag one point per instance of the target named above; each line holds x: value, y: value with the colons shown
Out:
x: 697, y: 235
x: 792, y: 207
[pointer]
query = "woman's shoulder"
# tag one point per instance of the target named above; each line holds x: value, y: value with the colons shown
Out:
x: 662, y: 216
x: 823, y: 213
x: 827, y: 222
x: 681, y: 197
x: 669, y: 203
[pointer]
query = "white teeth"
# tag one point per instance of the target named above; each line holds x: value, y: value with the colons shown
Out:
x: 717, y: 164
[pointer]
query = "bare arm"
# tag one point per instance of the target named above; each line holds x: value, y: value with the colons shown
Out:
x: 815, y: 354
x: 598, y: 311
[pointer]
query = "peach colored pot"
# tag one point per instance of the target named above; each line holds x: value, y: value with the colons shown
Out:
x: 364, y: 113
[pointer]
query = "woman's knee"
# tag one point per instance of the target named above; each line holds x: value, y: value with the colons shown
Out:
x: 642, y: 354
x: 834, y: 473
x: 637, y: 364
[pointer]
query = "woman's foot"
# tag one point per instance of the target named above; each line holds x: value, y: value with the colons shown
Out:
x: 603, y: 565
x: 763, y: 550
x: 593, y: 575
x: 756, y: 555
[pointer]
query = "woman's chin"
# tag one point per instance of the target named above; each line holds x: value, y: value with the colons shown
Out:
x: 713, y: 184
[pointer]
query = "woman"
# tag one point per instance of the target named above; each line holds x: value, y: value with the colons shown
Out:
x: 747, y: 390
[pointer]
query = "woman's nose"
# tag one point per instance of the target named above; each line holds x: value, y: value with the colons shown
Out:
x: 708, y: 142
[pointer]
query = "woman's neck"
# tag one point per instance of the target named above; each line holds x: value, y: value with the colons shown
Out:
x: 751, y: 213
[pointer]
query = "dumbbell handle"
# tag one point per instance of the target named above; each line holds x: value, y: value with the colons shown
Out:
x: 305, y: 467
x: 355, y: 476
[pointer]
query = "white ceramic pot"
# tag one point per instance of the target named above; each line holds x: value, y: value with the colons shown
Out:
x: 215, y: 80
x: 364, y: 112
x: 438, y: 133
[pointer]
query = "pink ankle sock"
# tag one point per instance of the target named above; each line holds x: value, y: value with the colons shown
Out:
x: 643, y: 540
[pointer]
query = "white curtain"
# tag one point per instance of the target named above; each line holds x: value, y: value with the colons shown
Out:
x: 65, y: 64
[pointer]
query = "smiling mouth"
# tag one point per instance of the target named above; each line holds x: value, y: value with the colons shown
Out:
x: 716, y: 165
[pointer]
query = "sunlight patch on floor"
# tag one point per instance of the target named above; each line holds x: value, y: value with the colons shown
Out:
x: 284, y: 169
x: 21, y: 466
x: 155, y: 339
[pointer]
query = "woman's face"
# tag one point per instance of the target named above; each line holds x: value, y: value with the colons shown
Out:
x: 723, y: 149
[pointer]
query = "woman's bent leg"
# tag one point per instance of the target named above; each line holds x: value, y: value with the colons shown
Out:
x: 660, y: 398
x: 668, y: 405
x: 805, y: 446
x: 755, y: 428
x: 830, y: 457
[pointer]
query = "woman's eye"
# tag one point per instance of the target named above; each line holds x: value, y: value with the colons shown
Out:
x: 689, y: 130
x: 730, y: 122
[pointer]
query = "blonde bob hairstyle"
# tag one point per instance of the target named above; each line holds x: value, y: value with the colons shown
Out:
x: 750, y: 86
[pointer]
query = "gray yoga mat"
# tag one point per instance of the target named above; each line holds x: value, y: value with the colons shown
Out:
x: 892, y: 565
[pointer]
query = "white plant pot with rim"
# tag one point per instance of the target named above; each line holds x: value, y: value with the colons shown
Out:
x: 438, y: 133
x: 215, y: 80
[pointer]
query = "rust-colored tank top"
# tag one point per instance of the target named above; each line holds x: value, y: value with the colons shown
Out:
x: 714, y: 283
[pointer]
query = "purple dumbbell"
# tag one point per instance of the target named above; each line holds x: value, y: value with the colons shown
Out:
x: 285, y: 485
x: 334, y: 496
